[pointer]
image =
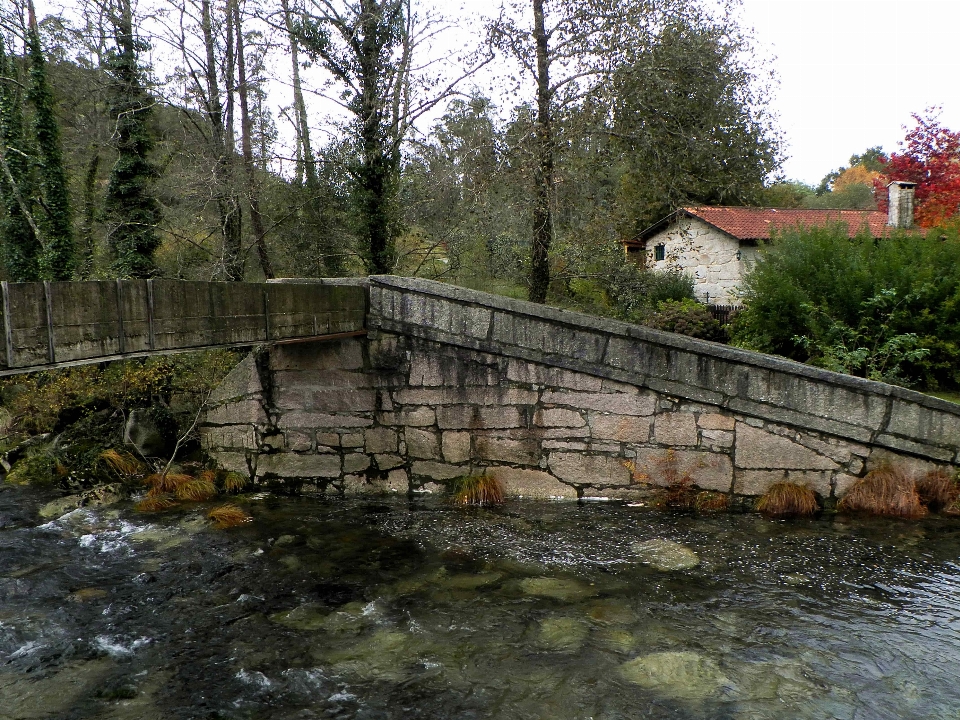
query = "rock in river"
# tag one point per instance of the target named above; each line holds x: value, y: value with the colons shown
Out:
x: 684, y: 675
x: 666, y: 554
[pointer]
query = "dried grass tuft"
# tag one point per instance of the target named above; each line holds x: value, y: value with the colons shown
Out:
x: 229, y: 515
x: 787, y: 499
x: 234, y: 482
x: 196, y: 489
x: 710, y: 501
x: 166, y: 483
x: 886, y: 491
x: 155, y: 503
x: 477, y: 490
x: 121, y: 462
x: 938, y: 489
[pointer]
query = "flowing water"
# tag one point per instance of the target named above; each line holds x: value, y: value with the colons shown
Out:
x: 415, y: 609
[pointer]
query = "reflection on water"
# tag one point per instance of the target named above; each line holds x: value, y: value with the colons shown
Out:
x: 396, y: 609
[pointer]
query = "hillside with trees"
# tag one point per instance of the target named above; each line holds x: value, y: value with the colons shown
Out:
x: 234, y: 139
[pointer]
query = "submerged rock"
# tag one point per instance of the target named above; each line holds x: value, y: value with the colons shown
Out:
x: 684, y: 675
x: 305, y: 617
x: 562, y: 589
x: 666, y: 555
x: 562, y: 634
x: 611, y: 612
x: 60, y: 506
x: 618, y: 640
x: 470, y: 581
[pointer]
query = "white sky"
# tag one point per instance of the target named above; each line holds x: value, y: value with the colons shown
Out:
x: 852, y: 71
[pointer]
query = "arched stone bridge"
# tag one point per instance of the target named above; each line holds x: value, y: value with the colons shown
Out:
x: 400, y: 384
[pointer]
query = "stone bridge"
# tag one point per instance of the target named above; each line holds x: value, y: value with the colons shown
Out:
x: 392, y: 384
x: 449, y: 382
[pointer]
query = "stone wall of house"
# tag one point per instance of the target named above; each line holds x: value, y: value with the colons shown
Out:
x: 451, y: 382
x: 707, y: 255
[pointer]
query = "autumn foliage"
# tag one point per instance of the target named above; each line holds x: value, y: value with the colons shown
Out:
x: 930, y: 157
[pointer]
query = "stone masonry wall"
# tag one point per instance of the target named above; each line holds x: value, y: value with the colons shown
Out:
x: 451, y: 383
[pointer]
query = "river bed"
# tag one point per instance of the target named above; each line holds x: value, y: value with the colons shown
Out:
x: 396, y: 608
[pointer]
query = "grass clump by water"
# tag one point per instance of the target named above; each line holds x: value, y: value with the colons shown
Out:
x: 166, y: 490
x: 229, y: 515
x: 887, y: 491
x: 710, y: 501
x: 476, y: 490
x: 788, y: 499
x: 124, y: 464
x: 938, y: 491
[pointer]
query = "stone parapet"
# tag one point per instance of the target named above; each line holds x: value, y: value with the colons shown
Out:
x: 762, y: 386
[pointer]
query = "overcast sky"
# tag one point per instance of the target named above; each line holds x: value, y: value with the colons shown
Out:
x: 852, y: 71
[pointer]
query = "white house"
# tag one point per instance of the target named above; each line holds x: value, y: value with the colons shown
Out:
x: 718, y: 245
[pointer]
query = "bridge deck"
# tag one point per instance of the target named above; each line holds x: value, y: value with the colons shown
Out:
x: 61, y: 324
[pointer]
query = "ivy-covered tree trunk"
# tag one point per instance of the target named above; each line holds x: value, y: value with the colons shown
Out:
x: 57, y: 258
x: 367, y: 47
x: 21, y: 246
x: 85, y: 241
x: 132, y: 208
x: 543, y: 176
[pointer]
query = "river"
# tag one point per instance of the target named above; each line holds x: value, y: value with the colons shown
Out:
x: 396, y: 608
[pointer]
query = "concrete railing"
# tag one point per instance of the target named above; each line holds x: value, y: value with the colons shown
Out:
x: 57, y: 324
x: 747, y: 383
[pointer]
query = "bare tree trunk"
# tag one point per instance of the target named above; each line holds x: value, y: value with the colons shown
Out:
x: 246, y: 131
x: 332, y: 259
x: 543, y: 177
x: 228, y: 202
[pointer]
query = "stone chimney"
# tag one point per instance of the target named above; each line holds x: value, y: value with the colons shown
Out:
x: 900, y: 210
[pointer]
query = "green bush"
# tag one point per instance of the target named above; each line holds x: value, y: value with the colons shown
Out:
x: 687, y: 317
x: 635, y: 292
x: 885, y: 309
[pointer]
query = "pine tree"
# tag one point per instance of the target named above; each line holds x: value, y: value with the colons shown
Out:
x: 132, y: 208
x: 21, y: 246
x: 57, y: 256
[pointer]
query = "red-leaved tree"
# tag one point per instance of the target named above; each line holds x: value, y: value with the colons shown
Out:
x: 930, y: 157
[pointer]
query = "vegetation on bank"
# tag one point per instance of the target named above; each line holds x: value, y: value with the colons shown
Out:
x: 72, y: 428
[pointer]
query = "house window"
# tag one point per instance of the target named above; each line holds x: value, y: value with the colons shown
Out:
x: 660, y: 252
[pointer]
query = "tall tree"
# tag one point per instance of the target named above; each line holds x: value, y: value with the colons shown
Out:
x: 369, y: 47
x: 598, y: 70
x: 332, y: 256
x: 364, y: 46
x: 18, y: 230
x: 688, y: 120
x: 560, y: 46
x: 57, y: 258
x: 246, y: 144
x: 227, y: 198
x: 133, y: 209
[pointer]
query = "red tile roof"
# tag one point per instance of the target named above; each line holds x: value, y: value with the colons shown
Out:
x: 748, y: 223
